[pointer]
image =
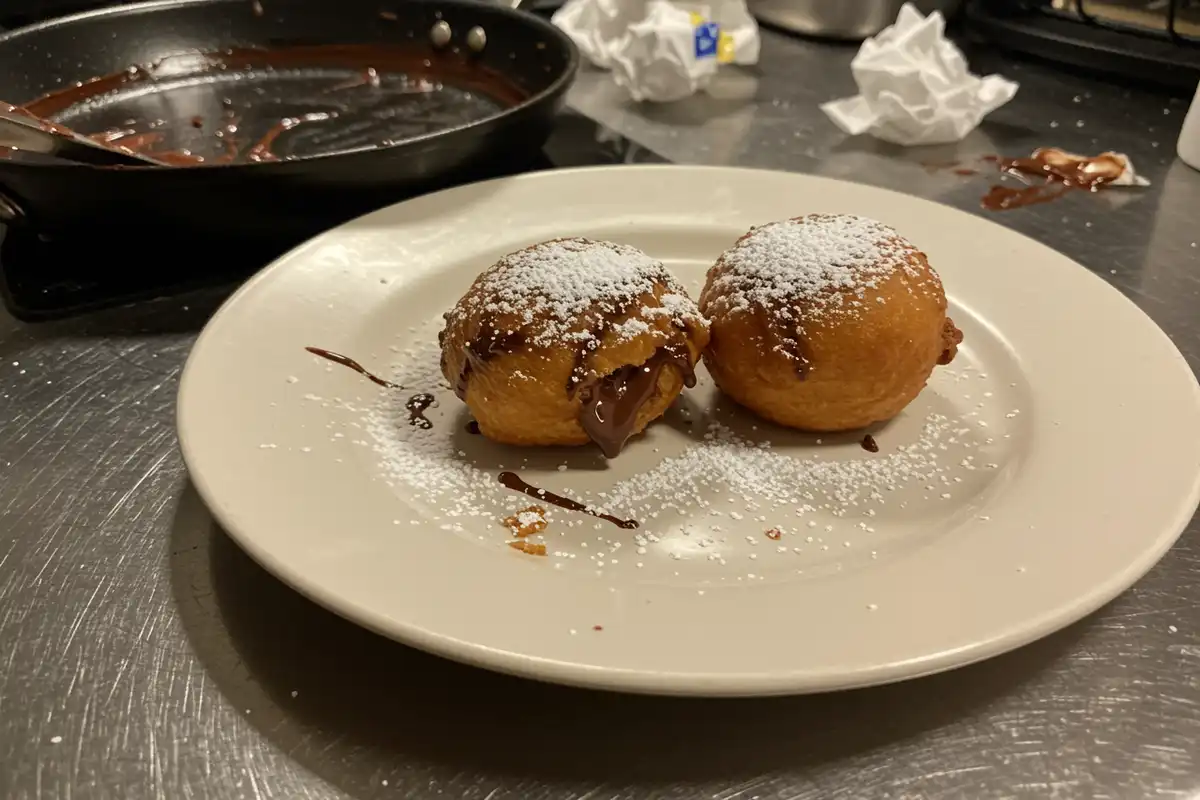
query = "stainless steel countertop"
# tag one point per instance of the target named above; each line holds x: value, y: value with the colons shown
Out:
x: 142, y: 655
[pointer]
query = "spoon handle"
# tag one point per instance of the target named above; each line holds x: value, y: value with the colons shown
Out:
x: 19, y: 131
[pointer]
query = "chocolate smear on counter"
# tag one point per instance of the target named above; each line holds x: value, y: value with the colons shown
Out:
x: 869, y: 444
x: 610, y: 405
x: 1004, y: 198
x: 1061, y: 172
x: 1079, y: 172
x: 346, y: 361
x: 511, y: 480
x: 416, y: 405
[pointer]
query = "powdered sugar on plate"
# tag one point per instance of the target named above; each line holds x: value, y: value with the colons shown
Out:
x: 701, y: 482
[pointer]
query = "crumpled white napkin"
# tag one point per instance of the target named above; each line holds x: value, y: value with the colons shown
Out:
x: 914, y: 86
x: 656, y: 49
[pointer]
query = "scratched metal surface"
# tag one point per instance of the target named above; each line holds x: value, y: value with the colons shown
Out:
x: 142, y: 655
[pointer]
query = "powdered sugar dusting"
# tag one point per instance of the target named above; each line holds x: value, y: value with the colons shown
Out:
x: 821, y: 262
x: 706, y: 499
x: 550, y: 288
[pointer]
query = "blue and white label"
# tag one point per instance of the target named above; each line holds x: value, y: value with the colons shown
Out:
x: 707, y: 36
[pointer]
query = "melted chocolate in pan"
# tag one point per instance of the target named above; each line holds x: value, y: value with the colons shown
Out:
x: 277, y: 105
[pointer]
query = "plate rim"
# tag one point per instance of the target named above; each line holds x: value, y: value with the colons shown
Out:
x: 697, y: 684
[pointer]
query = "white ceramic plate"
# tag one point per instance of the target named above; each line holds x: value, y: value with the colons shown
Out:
x: 1038, y: 476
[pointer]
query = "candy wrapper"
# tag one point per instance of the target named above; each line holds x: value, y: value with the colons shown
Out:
x: 657, y: 49
x: 914, y: 86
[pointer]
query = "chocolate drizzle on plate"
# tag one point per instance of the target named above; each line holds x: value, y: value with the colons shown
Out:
x: 609, y: 406
x: 473, y: 428
x: 416, y: 405
x: 869, y: 444
x: 346, y: 361
x: 512, y: 480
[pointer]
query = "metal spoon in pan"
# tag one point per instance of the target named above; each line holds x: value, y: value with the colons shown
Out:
x: 20, y: 130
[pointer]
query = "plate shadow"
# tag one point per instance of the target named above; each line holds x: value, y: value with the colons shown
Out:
x: 356, y: 708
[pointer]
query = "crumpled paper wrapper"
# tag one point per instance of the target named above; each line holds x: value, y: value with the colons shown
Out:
x: 658, y: 50
x: 914, y: 86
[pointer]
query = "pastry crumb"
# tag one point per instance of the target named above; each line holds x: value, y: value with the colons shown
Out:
x: 527, y: 522
x: 528, y: 548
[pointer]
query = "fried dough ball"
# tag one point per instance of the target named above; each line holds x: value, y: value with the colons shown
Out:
x: 571, y: 341
x: 826, y: 322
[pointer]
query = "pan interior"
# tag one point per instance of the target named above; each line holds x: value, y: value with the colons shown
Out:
x: 279, y: 113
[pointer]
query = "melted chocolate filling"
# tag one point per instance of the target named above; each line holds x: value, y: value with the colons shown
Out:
x: 610, y: 405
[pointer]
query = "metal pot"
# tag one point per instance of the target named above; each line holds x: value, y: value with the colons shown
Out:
x: 851, y: 20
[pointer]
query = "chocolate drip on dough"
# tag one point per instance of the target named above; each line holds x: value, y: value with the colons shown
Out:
x: 591, y: 342
x: 789, y: 343
x: 488, y: 344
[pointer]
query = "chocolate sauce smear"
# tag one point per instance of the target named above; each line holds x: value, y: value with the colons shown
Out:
x: 346, y: 361
x: 869, y: 444
x: 611, y: 404
x: 288, y: 102
x: 416, y: 405
x: 1060, y: 171
x: 1005, y: 198
x: 473, y: 428
x: 513, y: 481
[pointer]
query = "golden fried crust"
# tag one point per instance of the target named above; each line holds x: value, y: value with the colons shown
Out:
x: 526, y: 390
x: 832, y: 371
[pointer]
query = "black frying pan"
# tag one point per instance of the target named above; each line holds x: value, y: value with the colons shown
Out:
x: 290, y: 115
